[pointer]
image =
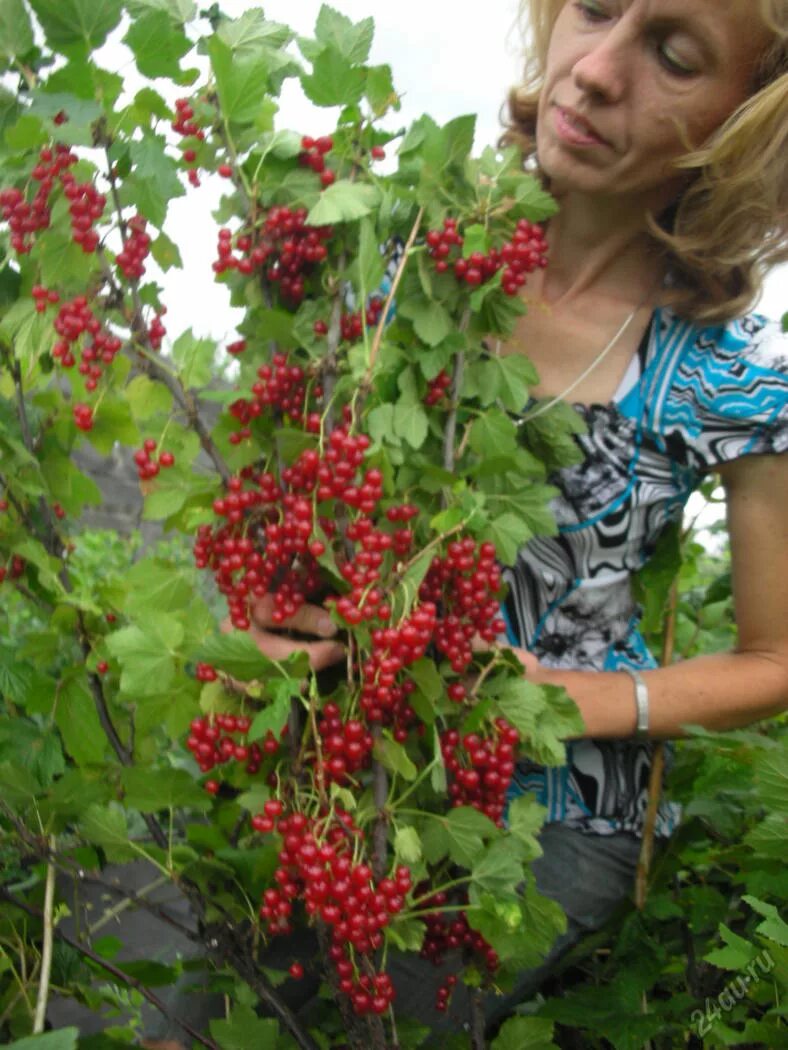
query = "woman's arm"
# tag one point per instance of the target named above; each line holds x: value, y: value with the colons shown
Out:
x: 726, y: 690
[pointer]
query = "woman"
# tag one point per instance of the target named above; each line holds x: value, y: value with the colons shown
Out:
x: 660, y: 127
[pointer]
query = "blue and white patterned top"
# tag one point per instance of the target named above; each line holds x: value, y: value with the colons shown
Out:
x: 693, y: 397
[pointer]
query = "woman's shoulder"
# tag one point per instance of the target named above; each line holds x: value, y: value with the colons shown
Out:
x: 724, y: 387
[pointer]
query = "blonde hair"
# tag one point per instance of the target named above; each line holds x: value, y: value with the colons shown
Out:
x: 730, y: 225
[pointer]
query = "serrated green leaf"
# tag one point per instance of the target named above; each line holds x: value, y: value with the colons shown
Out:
x: 77, y: 22
x: 16, y: 33
x: 273, y: 718
x: 394, y: 757
x: 106, y: 826
x: 62, y: 1039
x: 380, y: 91
x: 771, y: 777
x: 380, y: 422
x: 242, y: 79
x: 334, y: 80
x: 508, y: 532
x: 157, y: 45
x: 775, y: 927
x: 352, y: 40
x: 493, y: 433
x: 427, y: 677
x: 154, y: 180
x: 467, y: 829
x: 543, y: 715
x: 736, y: 954
x: 344, y: 201
x: 371, y: 264
x: 524, y: 820
x: 410, y: 421
x: 147, y: 654
x: 253, y: 31
x: 407, y: 845
x: 155, y: 585
x: 194, y: 359
x: 244, y: 1029
x: 147, y: 398
x: 78, y: 722
x: 525, y: 1033
x: 432, y: 322
x: 151, y: 790
x: 178, y: 11
x: 497, y: 871
x: 237, y: 654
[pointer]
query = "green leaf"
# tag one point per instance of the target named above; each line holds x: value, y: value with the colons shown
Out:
x: 62, y: 1039
x: 273, y: 718
x: 147, y: 654
x: 252, y: 31
x: 242, y: 80
x: 407, y: 845
x: 352, y: 40
x: 157, y: 44
x: 155, y: 585
x: 525, y: 820
x: 550, y: 435
x: 771, y: 778
x: 493, y: 433
x: 380, y: 91
x: 179, y: 11
x: 106, y: 826
x: 151, y: 790
x: 525, y: 1033
x: 154, y: 180
x: 736, y: 954
x: 394, y: 757
x: 371, y: 264
x: 244, y: 1029
x: 147, y: 398
x: 78, y: 722
x: 237, y: 654
x: 544, y: 716
x: 498, y: 870
x: 508, y: 532
x: 194, y: 359
x: 69, y: 22
x: 431, y: 321
x: 16, y: 33
x: 410, y: 421
x: 380, y: 423
x: 775, y: 928
x: 427, y: 677
x: 335, y: 80
x: 344, y: 201
x: 467, y: 830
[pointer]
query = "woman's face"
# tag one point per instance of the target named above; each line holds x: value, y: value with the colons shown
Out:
x: 624, y: 77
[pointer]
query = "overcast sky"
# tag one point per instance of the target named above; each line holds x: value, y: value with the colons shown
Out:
x: 449, y: 57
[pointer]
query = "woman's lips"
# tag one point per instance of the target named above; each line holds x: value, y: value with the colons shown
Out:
x: 574, y: 130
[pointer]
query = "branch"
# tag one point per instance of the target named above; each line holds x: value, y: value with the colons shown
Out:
x: 367, y: 380
x: 118, y: 974
x: 449, y: 434
x: 46, y: 951
x: 478, y: 1041
x: 380, y: 832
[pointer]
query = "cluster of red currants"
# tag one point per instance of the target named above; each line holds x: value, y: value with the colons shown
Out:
x: 523, y: 254
x: 351, y: 324
x: 313, y: 155
x: 75, y: 319
x: 14, y: 570
x: 438, y: 388
x: 44, y: 297
x: 185, y: 125
x: 284, y: 246
x: 317, y: 867
x: 480, y: 768
x: 131, y: 259
x: 212, y: 741
x: 147, y: 466
x: 452, y: 933
x: 25, y: 219
x: 384, y: 695
x: 465, y: 585
x: 346, y: 746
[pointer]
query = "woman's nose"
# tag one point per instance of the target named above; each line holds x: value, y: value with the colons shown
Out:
x: 602, y: 71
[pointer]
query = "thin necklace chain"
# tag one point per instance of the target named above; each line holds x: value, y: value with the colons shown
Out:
x: 546, y: 406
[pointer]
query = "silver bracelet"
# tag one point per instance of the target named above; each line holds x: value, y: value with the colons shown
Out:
x: 641, y: 701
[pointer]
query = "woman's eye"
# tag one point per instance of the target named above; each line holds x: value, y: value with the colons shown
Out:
x: 591, y: 10
x: 673, y: 63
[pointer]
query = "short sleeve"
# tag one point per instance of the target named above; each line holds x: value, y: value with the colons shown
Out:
x: 728, y: 392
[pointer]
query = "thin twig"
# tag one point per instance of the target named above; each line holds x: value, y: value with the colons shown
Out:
x: 115, y: 972
x: 373, y: 353
x: 477, y: 1020
x: 46, y: 948
x: 450, y: 432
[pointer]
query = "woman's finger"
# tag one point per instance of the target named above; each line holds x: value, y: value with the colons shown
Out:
x: 278, y: 647
x: 308, y: 619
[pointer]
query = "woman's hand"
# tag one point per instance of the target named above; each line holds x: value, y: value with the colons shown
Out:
x: 312, y: 620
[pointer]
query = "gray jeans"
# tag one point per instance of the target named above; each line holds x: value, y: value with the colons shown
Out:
x: 588, y: 875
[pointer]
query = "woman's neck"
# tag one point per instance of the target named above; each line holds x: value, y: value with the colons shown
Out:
x: 598, y: 249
